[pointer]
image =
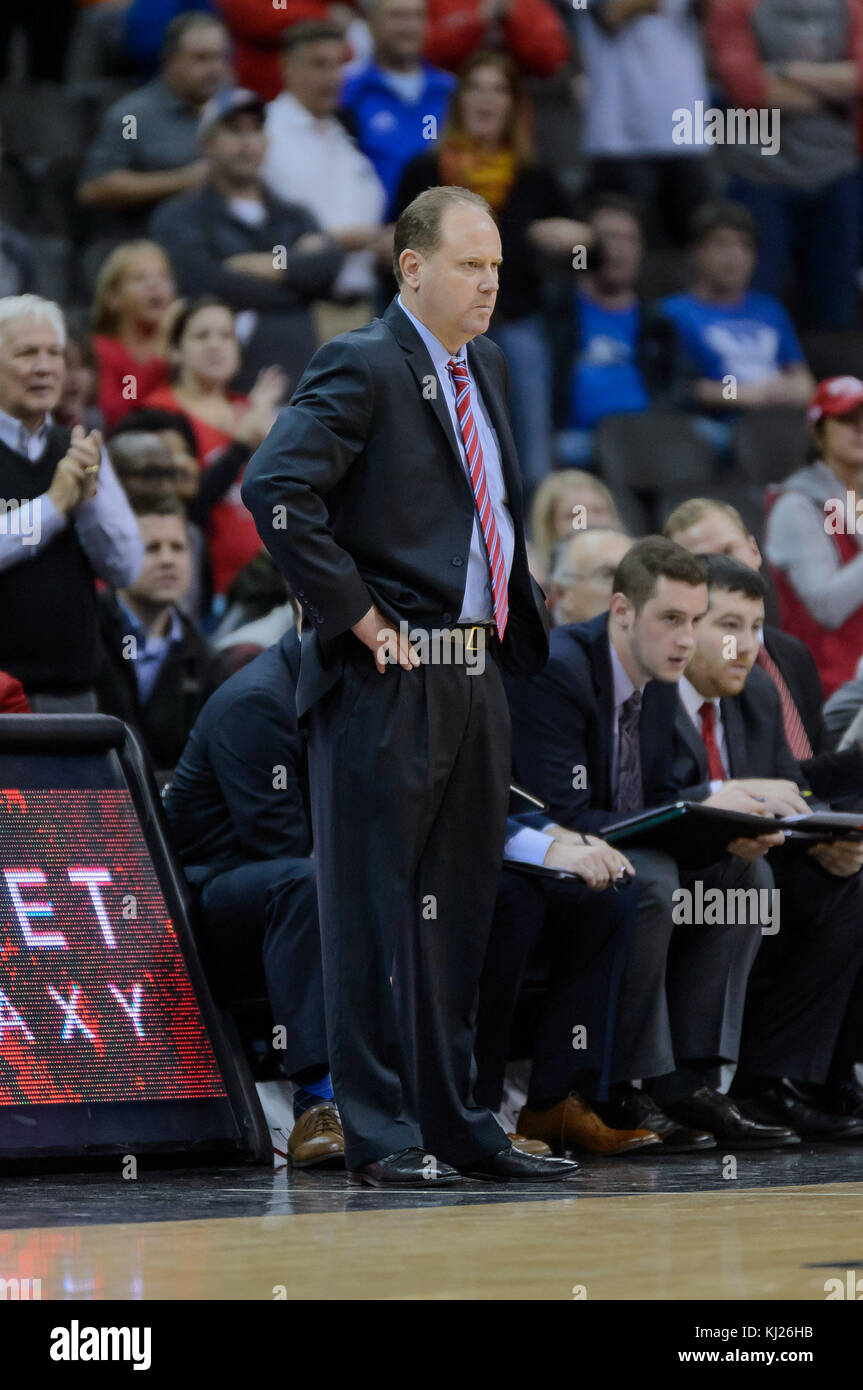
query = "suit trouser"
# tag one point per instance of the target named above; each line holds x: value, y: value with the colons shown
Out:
x: 409, y: 779
x: 804, y: 975
x: 270, y: 909
x: 586, y: 936
x: 683, y: 989
x: 849, y: 1044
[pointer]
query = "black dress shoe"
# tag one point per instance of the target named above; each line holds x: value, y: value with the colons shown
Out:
x: 838, y: 1098
x: 510, y: 1165
x: 710, y: 1108
x: 791, y: 1105
x: 634, y: 1109
x: 407, y: 1167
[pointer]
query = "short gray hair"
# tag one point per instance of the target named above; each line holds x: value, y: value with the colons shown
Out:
x: 418, y: 227
x: 32, y: 306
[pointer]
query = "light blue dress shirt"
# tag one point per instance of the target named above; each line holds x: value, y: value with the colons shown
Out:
x: 150, y: 651
x: 477, y: 603
x: 106, y: 525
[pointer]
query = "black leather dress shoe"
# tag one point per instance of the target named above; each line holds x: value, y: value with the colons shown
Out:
x: 405, y: 1168
x: 720, y: 1114
x: 634, y: 1109
x: 510, y: 1165
x: 837, y: 1098
x: 788, y: 1104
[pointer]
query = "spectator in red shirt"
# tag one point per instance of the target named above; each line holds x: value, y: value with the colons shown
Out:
x: 205, y: 355
x: 12, y: 697
x: 256, y: 26
x: 532, y: 32
x: 133, y: 293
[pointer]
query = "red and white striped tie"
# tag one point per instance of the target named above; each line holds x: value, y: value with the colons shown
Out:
x: 493, y: 547
x: 795, y: 733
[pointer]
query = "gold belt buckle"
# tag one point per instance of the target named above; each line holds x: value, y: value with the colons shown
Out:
x: 469, y: 641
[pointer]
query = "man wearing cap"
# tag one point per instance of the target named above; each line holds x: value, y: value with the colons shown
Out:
x: 233, y: 238
x: 814, y: 536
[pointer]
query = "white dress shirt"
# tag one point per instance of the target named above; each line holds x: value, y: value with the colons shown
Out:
x: 477, y: 606
x: 314, y: 161
x: 692, y: 702
x: 106, y: 525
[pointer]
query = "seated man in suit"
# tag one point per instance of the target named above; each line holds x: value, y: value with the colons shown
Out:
x: 705, y: 526
x: 729, y: 721
x: 583, y: 929
x: 594, y: 735
x: 239, y: 815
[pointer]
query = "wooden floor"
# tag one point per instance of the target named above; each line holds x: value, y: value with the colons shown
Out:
x: 748, y: 1243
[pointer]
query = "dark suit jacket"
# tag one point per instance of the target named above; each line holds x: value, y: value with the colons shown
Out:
x: 360, y: 495
x: 185, y: 679
x: 833, y: 776
x: 562, y: 720
x: 200, y: 232
x: 225, y: 806
x: 755, y: 740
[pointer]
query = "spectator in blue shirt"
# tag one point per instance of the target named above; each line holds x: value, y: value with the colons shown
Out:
x: 397, y: 103
x: 613, y: 355
x: 741, y: 348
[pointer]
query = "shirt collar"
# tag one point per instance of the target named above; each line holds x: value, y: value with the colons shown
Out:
x: 436, y: 350
x: 16, y: 436
x: 301, y: 115
x: 623, y: 686
x: 171, y: 100
x: 693, y: 700
x: 148, y: 641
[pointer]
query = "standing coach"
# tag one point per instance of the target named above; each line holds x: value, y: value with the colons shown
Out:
x: 389, y: 494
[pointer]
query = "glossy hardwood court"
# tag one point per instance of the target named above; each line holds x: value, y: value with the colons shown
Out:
x: 621, y: 1230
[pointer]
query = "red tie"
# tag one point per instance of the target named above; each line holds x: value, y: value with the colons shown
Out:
x: 708, y: 733
x: 795, y: 733
x: 472, y: 448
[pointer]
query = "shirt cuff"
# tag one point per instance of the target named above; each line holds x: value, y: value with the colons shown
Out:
x: 527, y: 846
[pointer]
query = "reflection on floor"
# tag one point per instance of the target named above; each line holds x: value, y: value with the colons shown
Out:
x: 683, y: 1227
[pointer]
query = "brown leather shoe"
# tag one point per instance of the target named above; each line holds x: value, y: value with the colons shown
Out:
x: 573, y: 1125
x: 317, y: 1137
x: 529, y: 1146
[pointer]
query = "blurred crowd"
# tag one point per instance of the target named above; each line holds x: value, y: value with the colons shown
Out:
x: 195, y: 197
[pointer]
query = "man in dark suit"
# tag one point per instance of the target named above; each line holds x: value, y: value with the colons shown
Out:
x: 594, y: 735
x: 239, y: 817
x: 388, y: 492
x: 729, y: 722
x: 577, y: 931
x: 705, y: 526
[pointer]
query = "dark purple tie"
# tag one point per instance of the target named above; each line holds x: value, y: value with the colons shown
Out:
x: 630, y: 796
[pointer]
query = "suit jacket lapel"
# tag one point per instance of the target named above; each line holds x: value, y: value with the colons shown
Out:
x: 423, y: 369
x: 693, y: 740
x: 604, y: 687
x: 735, y: 737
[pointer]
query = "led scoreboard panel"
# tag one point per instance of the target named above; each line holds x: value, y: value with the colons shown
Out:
x: 104, y: 1045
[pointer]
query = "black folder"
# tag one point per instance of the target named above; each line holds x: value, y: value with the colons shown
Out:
x: 695, y: 834
x: 691, y: 833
